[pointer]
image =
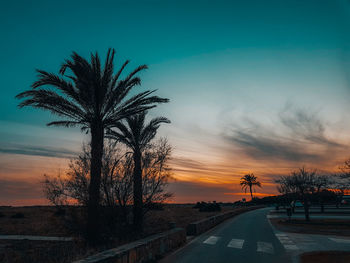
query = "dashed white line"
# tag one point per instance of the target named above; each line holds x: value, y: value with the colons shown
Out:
x: 265, y: 247
x: 236, y: 243
x: 211, y: 240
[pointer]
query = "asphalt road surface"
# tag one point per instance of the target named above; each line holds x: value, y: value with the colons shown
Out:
x: 246, y: 238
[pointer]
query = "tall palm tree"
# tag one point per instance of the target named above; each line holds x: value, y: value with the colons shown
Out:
x: 249, y: 181
x: 94, y: 98
x: 136, y: 135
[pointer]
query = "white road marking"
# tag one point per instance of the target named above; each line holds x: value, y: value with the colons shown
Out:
x: 291, y: 247
x: 265, y: 247
x: 281, y: 235
x: 211, y: 240
x: 236, y: 243
x: 286, y: 241
x: 340, y: 240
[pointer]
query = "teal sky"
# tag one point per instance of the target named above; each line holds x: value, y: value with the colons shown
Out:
x: 252, y: 83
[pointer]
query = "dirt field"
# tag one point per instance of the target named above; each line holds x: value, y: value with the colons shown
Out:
x: 36, y: 220
x: 315, y: 226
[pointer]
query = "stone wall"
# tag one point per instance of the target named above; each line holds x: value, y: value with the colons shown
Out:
x: 203, y: 225
x: 143, y: 250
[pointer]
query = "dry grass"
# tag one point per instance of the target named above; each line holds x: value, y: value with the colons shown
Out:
x: 315, y: 226
x: 325, y: 257
x: 37, y: 220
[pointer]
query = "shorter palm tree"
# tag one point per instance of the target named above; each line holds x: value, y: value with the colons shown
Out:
x: 137, y: 135
x: 249, y: 181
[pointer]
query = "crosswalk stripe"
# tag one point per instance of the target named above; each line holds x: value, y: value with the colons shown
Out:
x: 290, y: 247
x: 236, y: 243
x: 265, y: 247
x: 286, y: 242
x: 340, y: 240
x: 211, y: 240
x: 281, y: 235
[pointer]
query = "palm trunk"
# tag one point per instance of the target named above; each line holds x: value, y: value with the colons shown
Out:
x: 251, y: 192
x: 97, y: 136
x: 138, y: 206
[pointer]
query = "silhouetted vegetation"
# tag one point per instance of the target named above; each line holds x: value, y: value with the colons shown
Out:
x: 116, y: 184
x: 208, y: 207
x: 93, y: 98
x: 284, y: 200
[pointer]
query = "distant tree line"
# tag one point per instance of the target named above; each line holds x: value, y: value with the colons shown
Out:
x: 208, y: 206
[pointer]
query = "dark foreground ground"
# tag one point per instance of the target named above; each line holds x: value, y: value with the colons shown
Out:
x: 44, y: 221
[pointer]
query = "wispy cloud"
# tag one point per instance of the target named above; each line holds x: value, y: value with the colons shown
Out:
x: 306, y: 125
x: 37, y: 151
x: 298, y: 136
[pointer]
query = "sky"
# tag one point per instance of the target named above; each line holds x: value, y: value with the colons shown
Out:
x: 254, y: 86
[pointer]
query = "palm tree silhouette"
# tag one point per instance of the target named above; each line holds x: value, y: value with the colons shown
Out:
x: 94, y: 98
x: 249, y: 181
x: 136, y: 135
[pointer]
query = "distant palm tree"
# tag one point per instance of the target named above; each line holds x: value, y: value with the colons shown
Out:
x: 94, y: 98
x: 249, y: 181
x: 137, y: 135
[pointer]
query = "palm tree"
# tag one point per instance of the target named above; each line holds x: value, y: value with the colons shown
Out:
x: 94, y: 98
x: 136, y: 135
x: 249, y: 181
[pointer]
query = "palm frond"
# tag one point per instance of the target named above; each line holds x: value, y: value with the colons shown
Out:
x: 49, y: 79
x: 65, y: 123
x: 50, y: 100
x: 90, y: 92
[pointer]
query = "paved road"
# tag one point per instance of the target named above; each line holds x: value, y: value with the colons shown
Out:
x: 246, y: 238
